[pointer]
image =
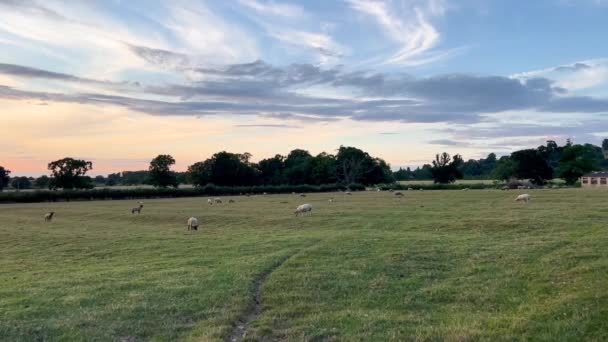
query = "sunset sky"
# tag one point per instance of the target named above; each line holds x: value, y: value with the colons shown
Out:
x: 119, y: 82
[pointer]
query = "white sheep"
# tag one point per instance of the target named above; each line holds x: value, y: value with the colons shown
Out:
x: 49, y: 216
x: 331, y: 200
x: 302, y: 195
x: 193, y: 223
x: 523, y: 198
x: 218, y: 200
x: 465, y: 189
x: 410, y: 189
x: 348, y: 193
x: 304, y: 209
x: 209, y: 201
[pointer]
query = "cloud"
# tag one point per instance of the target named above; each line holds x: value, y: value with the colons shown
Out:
x: 273, y: 8
x: 288, y: 93
x: 577, y: 76
x: 412, y: 30
x: 266, y: 126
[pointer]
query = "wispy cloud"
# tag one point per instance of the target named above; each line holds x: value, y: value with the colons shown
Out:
x: 412, y: 29
x: 273, y: 8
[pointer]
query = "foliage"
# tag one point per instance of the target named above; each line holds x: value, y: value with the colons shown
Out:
x: 530, y: 164
x: 21, y: 183
x: 207, y: 190
x: 69, y: 173
x: 605, y: 144
x: 42, y: 182
x: 4, y: 177
x: 576, y: 160
x: 160, y: 174
x: 505, y: 169
x: 446, y: 169
x: 224, y: 169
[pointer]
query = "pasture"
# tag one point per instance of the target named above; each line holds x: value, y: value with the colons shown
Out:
x: 433, y: 265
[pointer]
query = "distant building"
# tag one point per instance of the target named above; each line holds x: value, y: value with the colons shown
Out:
x: 595, y: 179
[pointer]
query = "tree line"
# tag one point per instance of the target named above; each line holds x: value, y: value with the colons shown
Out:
x: 349, y: 165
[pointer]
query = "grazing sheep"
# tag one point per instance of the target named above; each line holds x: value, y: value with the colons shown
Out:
x: 348, y: 193
x: 378, y: 189
x: 410, y: 189
x: 264, y: 194
x: 231, y: 201
x: 137, y: 209
x: 331, y: 200
x: 465, y: 189
x: 399, y: 194
x: 209, y: 201
x: 304, y: 209
x: 218, y: 200
x: 193, y: 223
x: 302, y: 195
x: 523, y: 198
x: 48, y: 216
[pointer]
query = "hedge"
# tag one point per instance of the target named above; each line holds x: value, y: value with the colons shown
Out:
x: 208, y: 190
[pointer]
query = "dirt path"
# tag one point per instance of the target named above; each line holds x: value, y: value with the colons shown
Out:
x: 255, y: 308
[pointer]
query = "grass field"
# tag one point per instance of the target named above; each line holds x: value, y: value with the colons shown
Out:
x: 435, y: 265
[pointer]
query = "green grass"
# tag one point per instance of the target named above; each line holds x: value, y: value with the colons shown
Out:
x: 459, y: 181
x: 435, y: 265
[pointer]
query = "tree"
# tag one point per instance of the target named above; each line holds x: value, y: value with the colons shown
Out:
x: 4, y: 177
x: 223, y: 168
x: 530, y: 164
x: 446, y: 169
x: 298, y: 167
x: 69, y: 173
x: 271, y: 170
x: 42, y: 182
x: 160, y: 171
x: 505, y: 169
x: 576, y: 161
x: 99, y: 180
x: 20, y: 183
x: 352, y: 164
x: 323, y: 169
x: 113, y: 179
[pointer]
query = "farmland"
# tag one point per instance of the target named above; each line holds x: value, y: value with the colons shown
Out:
x: 449, y: 265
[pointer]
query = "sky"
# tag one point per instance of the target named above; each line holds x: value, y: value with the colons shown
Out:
x: 119, y: 82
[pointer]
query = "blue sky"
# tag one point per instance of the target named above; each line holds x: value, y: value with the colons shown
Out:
x: 121, y: 81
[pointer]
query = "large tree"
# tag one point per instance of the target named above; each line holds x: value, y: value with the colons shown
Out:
x: 4, y: 177
x: 160, y: 171
x: 530, y: 164
x: 446, y: 169
x: 576, y: 160
x: 223, y: 168
x: 298, y: 167
x: 69, y: 173
x: 323, y: 169
x: 352, y: 164
x: 272, y: 170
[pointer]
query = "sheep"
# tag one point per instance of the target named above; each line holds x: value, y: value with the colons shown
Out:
x: 506, y: 187
x: 304, y: 209
x: 137, y: 209
x: 465, y: 189
x: 48, y: 216
x: 410, y: 189
x: 193, y: 223
x: 399, y: 194
x: 218, y: 200
x: 523, y: 198
x: 302, y: 195
x: 330, y: 201
x: 378, y: 190
x: 231, y: 201
x: 209, y: 201
x: 348, y: 193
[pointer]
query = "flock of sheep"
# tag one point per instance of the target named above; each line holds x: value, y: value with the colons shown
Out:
x: 301, y: 210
